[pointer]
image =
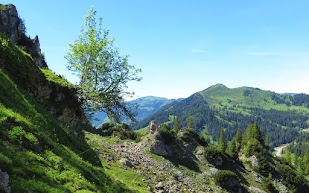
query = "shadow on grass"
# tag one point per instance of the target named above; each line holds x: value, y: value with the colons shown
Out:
x: 186, y: 162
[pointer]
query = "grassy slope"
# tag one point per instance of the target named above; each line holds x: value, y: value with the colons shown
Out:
x: 38, y: 153
x: 131, y: 178
x: 221, y: 96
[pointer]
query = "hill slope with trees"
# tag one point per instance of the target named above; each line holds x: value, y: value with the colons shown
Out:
x: 282, y: 117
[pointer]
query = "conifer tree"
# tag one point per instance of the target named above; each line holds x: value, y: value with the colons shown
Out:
x: 222, y: 141
x: 190, y: 123
x: 176, y: 126
x: 232, y: 149
x: 238, y: 140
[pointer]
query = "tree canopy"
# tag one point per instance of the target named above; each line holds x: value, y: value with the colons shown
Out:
x: 103, y: 73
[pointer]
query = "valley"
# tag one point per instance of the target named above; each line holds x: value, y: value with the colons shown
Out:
x: 55, y: 136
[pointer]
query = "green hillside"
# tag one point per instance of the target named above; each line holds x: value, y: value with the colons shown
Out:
x: 282, y: 117
x: 38, y: 150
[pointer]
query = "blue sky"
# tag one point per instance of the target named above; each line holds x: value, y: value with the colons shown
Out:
x: 186, y: 46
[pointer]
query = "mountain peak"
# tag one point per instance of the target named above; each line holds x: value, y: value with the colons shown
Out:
x: 219, y: 85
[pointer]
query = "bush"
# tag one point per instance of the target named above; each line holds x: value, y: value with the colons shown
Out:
x: 166, y: 133
x: 228, y: 180
x: 122, y: 131
x: 213, y: 155
x: 223, y: 176
x: 292, y: 179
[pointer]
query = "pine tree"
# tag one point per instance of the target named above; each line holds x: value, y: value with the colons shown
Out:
x: 190, y: 123
x: 176, y: 125
x: 238, y: 140
x: 222, y: 141
x: 254, y: 144
x: 232, y: 149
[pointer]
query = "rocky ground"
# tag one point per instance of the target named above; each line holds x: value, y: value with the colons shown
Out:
x: 159, y: 174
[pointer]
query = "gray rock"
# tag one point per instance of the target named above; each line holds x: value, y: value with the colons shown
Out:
x: 4, y: 182
x: 257, y: 177
x: 9, y: 22
x: 159, y: 148
x: 153, y: 127
x: 256, y: 190
x: 254, y: 161
x: 11, y: 25
x: 200, y: 151
x: 126, y: 162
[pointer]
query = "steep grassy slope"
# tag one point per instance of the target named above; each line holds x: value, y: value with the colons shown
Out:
x: 282, y: 117
x: 38, y: 152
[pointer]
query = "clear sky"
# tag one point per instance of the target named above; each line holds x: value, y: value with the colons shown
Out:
x: 186, y: 46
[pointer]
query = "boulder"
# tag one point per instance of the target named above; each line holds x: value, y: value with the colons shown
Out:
x: 254, y: 161
x: 4, y: 182
x: 126, y: 162
x: 159, y: 148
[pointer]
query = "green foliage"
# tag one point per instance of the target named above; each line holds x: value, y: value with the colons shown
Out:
x: 267, y: 183
x: 190, y: 122
x: 53, y: 77
x: 254, y: 144
x: 232, y: 149
x: 39, y: 153
x: 166, y: 133
x: 238, y: 140
x: 123, y: 131
x: 220, y: 107
x: 213, y: 155
x: 297, y: 154
x: 295, y: 181
x: 176, y: 125
x: 102, y: 72
x: 223, y: 177
x: 222, y: 142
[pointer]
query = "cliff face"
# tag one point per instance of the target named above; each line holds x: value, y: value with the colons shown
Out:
x: 13, y: 27
x: 9, y: 22
x: 31, y: 72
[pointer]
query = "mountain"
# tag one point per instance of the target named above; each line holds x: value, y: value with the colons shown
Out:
x: 44, y: 146
x: 282, y: 117
x: 145, y: 107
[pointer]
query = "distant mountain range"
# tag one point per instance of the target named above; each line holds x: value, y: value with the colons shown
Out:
x: 282, y: 116
x: 145, y: 107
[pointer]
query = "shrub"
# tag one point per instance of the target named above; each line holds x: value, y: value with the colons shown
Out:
x: 122, y: 131
x: 166, y: 133
x: 227, y: 180
x: 213, y: 155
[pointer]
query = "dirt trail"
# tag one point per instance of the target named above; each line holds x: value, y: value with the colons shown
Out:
x: 279, y: 149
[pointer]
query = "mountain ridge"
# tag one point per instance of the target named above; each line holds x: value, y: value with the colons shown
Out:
x: 221, y: 107
x: 144, y: 106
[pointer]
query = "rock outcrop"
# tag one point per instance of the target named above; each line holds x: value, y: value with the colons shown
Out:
x: 59, y: 100
x: 13, y: 27
x: 153, y: 127
x: 9, y: 22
